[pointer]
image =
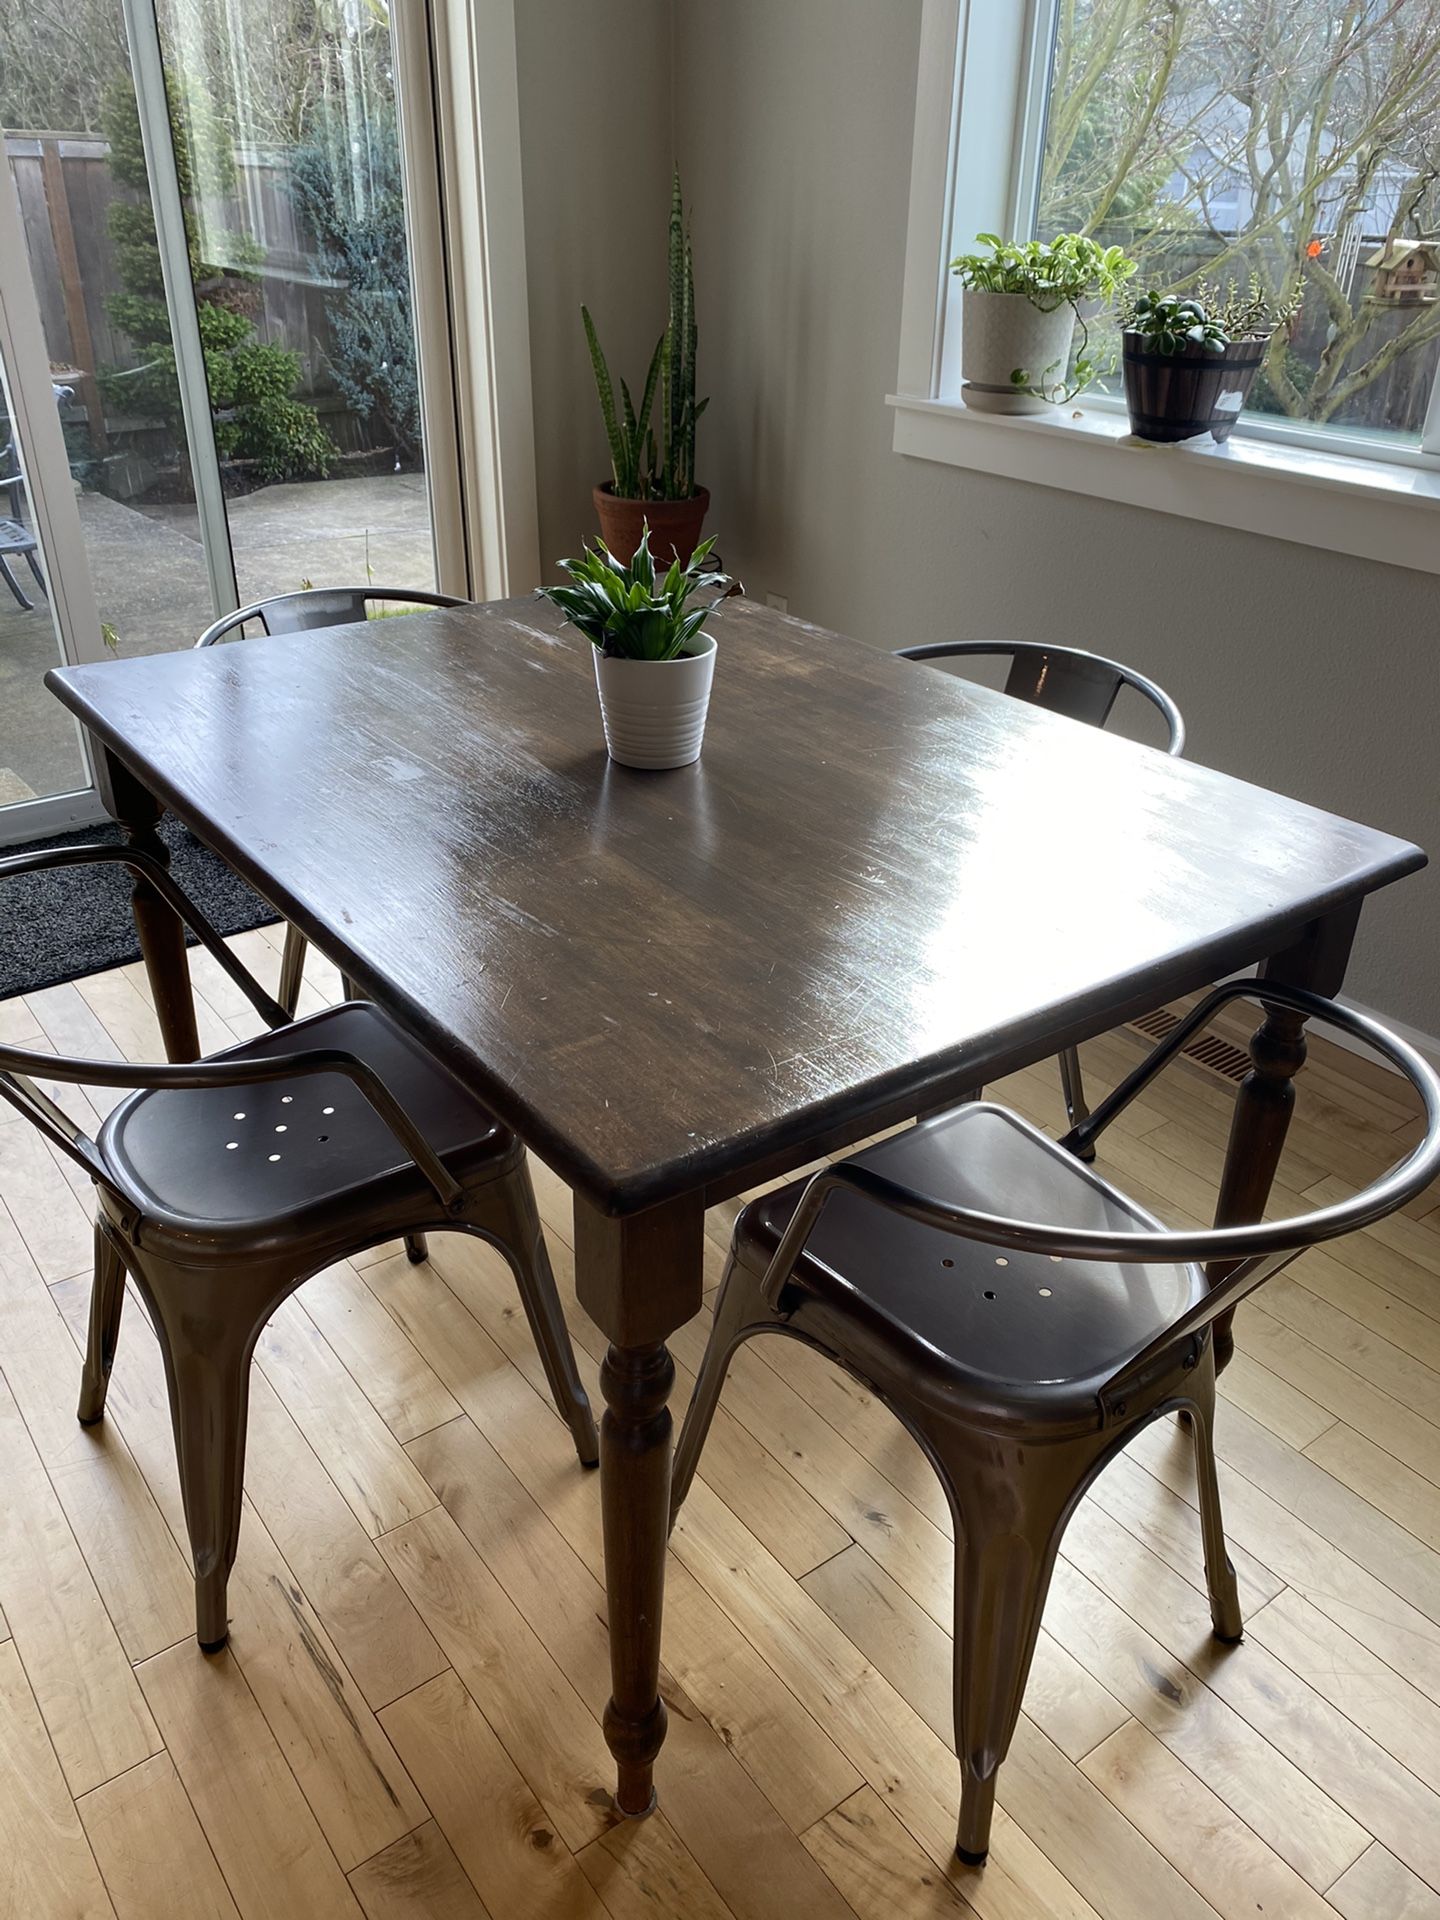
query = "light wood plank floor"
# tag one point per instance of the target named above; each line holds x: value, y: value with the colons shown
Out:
x: 406, y: 1723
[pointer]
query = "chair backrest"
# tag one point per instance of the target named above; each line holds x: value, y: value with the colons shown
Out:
x: 318, y: 607
x: 1082, y: 686
x: 1252, y: 1254
x: 19, y: 1066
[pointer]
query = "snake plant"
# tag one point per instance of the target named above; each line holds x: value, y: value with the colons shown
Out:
x: 642, y: 469
x: 626, y: 611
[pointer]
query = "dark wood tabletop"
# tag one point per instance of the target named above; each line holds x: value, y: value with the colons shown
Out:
x: 878, y: 885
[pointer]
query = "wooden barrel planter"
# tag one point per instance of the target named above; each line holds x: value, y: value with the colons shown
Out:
x: 1242, y: 361
x: 1171, y: 396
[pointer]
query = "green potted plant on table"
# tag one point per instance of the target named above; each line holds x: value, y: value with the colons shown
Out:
x: 1174, y: 358
x: 653, y: 664
x: 653, y: 483
x: 1023, y: 302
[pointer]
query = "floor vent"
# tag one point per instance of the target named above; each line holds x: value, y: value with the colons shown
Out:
x: 1207, y: 1049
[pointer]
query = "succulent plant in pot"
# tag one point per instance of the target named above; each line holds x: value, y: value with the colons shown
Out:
x: 1174, y: 359
x: 1023, y: 302
x: 653, y: 663
x: 652, y: 480
x: 1249, y: 317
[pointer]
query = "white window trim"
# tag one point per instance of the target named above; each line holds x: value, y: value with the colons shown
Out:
x: 973, y: 165
x: 460, y: 128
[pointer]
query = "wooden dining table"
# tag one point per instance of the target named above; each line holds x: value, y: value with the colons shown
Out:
x: 879, y: 888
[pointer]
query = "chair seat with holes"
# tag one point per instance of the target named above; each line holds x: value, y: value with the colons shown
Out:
x: 1017, y: 1334
x: 209, y: 1163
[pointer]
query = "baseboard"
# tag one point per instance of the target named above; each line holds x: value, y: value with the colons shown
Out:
x: 1425, y: 1044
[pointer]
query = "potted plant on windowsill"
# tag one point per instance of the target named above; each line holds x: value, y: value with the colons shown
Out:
x: 1174, y: 359
x: 653, y: 665
x: 1249, y: 317
x: 654, y: 485
x: 1023, y: 302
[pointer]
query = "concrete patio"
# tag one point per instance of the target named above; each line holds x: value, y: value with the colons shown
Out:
x: 151, y: 585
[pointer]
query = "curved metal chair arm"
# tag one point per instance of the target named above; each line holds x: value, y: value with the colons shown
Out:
x: 1260, y: 1250
x: 246, y: 1071
x: 1096, y: 665
x: 269, y: 1009
x: 267, y: 610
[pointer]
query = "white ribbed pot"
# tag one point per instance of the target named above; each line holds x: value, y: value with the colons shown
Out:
x: 1004, y: 334
x: 654, y: 710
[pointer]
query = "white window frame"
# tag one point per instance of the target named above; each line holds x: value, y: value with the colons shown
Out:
x: 979, y: 131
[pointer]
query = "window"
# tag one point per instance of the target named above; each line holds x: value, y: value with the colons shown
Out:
x: 1298, y: 140
x: 1294, y: 140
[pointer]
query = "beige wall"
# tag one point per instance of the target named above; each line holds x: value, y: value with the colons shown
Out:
x: 595, y: 153
x: 792, y: 118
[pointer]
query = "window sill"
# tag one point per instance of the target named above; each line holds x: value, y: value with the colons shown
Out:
x: 1345, y: 503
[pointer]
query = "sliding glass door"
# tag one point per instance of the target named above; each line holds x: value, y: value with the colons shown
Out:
x: 214, y: 221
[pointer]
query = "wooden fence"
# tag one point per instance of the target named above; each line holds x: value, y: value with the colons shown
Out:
x: 66, y: 189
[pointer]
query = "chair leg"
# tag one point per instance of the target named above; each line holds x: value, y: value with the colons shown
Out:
x: 34, y: 566
x: 292, y: 969
x: 207, y: 1326
x: 107, y: 1299
x: 26, y: 606
x: 1003, y: 1564
x: 1219, y: 1570
x: 511, y: 1217
x: 1072, y: 1085
x: 740, y: 1310
x: 416, y: 1248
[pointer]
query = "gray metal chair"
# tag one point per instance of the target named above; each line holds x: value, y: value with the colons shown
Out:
x: 301, y: 612
x: 1082, y: 686
x: 225, y: 1183
x: 1022, y: 1348
x: 16, y: 539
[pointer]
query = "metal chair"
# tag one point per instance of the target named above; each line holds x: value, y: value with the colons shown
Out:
x: 225, y: 1183
x: 1082, y: 686
x: 1022, y: 1349
x: 15, y: 537
x: 300, y: 612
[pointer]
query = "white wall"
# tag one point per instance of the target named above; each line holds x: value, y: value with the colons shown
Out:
x: 595, y: 124
x: 1296, y: 669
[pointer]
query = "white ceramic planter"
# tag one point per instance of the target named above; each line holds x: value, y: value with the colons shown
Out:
x: 1002, y: 332
x: 654, y: 710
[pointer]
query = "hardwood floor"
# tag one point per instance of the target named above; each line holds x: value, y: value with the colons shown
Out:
x: 406, y: 1723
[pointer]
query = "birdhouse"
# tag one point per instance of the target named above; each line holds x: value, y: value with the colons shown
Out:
x: 1407, y: 272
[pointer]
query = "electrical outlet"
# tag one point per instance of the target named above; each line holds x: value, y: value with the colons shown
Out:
x: 778, y: 602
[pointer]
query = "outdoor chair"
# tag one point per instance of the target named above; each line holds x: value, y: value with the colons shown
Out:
x: 1082, y: 686
x: 225, y: 1183
x: 1024, y: 1319
x: 16, y: 539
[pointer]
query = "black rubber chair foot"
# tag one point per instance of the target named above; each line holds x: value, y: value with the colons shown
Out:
x: 215, y: 1646
x: 416, y: 1257
x: 93, y: 1421
x: 1227, y: 1639
x: 591, y: 1465
x: 972, y: 1859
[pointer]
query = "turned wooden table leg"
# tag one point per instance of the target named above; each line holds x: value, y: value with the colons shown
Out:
x: 162, y: 933
x: 635, y: 1445
x: 1267, y: 1094
x: 638, y: 1278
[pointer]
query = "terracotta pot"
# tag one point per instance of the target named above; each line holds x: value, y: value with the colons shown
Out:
x: 1171, y: 396
x: 674, y: 524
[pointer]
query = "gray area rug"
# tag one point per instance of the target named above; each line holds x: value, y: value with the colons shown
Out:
x: 76, y: 920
